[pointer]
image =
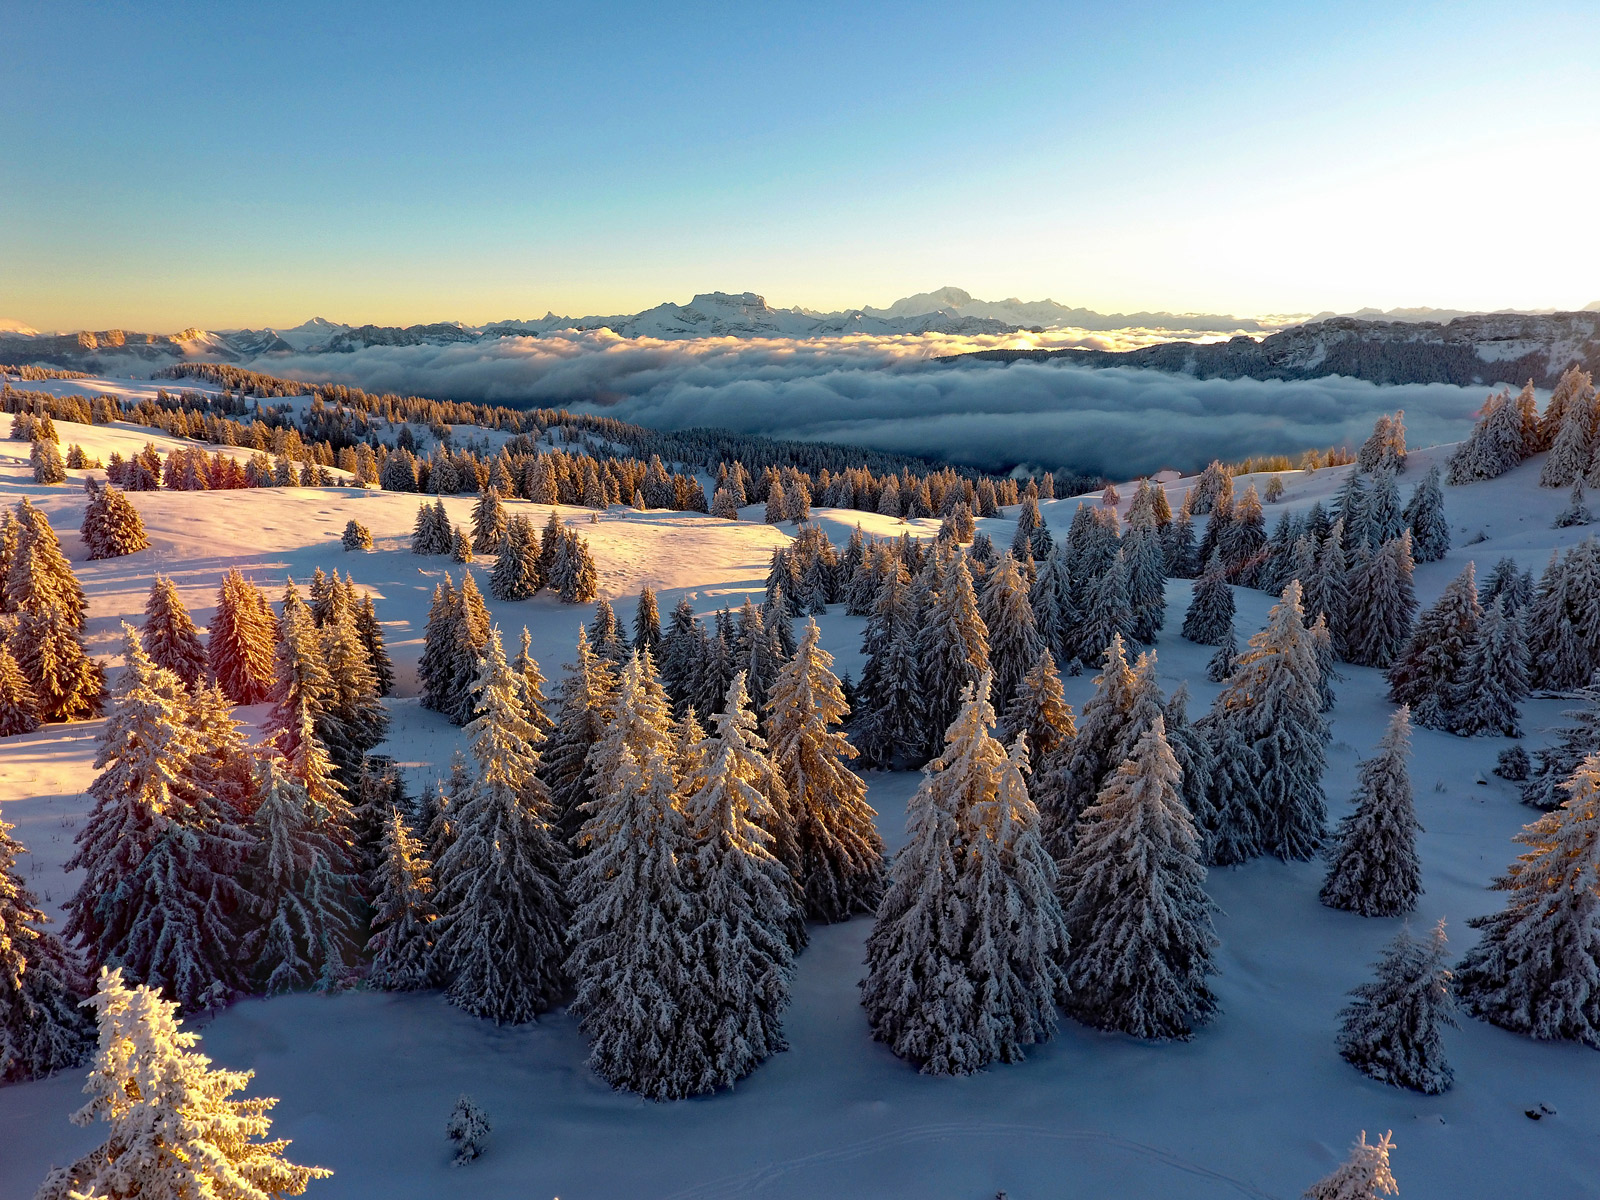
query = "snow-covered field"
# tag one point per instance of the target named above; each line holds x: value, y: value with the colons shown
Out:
x: 1259, y: 1104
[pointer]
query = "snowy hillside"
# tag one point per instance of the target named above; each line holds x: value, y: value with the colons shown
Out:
x: 1259, y: 1104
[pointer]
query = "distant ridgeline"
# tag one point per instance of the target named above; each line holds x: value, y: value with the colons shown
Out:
x: 609, y: 461
x: 1468, y: 351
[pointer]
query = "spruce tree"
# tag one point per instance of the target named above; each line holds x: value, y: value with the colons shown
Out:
x: 1383, y: 605
x: 372, y: 638
x: 515, y: 575
x: 1427, y: 672
x: 953, y: 646
x: 892, y: 718
x: 1365, y: 1175
x: 1137, y: 912
x: 1546, y: 785
x: 1536, y: 968
x: 1219, y: 667
x: 1391, y: 1028
x: 488, y: 523
x: 647, y: 624
x: 1073, y: 785
x: 1424, y: 516
x: 19, y: 707
x: 1239, y: 832
x: 635, y: 938
x: 356, y: 536
x: 174, y: 1128
x: 1192, y: 749
x: 170, y: 637
x: 583, y: 706
x: 303, y: 905
x: 1373, y: 868
x: 1107, y: 613
x: 1055, y: 617
x: 1490, y: 693
x: 240, y: 649
x: 43, y: 1028
x: 1039, y: 710
x: 354, y: 719
x: 503, y: 912
x: 1014, y: 642
x: 39, y: 579
x: 1273, y: 696
x: 841, y: 853
x: 112, y: 526
x: 1210, y: 613
x: 403, y: 911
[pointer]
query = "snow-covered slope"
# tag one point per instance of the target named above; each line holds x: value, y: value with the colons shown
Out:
x: 1257, y: 1105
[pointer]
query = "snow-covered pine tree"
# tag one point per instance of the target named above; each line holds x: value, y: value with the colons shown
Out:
x: 403, y: 911
x: 1177, y: 542
x: 1055, y: 617
x: 1573, y: 441
x: 1427, y: 672
x: 39, y: 578
x: 1365, y: 1175
x: 1107, y: 612
x: 1219, y: 667
x: 43, y: 1029
x: 170, y: 637
x: 468, y: 1127
x: 372, y: 638
x: 1536, y: 969
x: 1545, y: 786
x: 304, y: 908
x: 572, y: 575
x: 355, y: 720
x: 242, y: 637
x: 1497, y: 442
x: 953, y: 647
x: 1039, y: 710
x: 1558, y: 657
x: 19, y: 707
x: 356, y: 536
x: 1574, y: 384
x: 1147, y: 583
x: 891, y: 719
x: 1382, y: 607
x: 488, y: 522
x: 647, y: 623
x: 1210, y: 613
x: 431, y: 533
x: 174, y: 1128
x: 635, y: 939
x: 1014, y: 642
x: 302, y: 682
x: 45, y: 457
x: 1327, y: 587
x: 841, y: 853
x: 1496, y: 680
x: 515, y: 575
x: 1072, y: 786
x: 639, y: 722
x: 503, y: 913
x: 1373, y: 868
x: 1391, y: 1028
x: 1273, y: 694
x: 1577, y: 511
x: 1136, y: 908
x: 112, y: 526
x: 1193, y: 751
x: 1424, y: 516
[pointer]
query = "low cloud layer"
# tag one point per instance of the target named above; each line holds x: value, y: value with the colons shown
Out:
x: 889, y: 394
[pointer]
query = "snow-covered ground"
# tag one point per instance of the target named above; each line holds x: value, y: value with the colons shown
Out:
x: 1259, y: 1104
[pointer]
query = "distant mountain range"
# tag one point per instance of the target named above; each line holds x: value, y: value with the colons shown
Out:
x: 1395, y: 346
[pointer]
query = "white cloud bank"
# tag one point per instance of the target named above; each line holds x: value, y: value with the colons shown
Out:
x: 888, y: 394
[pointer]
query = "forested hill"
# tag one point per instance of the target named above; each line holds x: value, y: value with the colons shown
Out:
x: 1488, y: 349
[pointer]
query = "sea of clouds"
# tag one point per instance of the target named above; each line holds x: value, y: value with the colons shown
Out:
x: 890, y: 394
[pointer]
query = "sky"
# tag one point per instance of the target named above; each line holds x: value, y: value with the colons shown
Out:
x: 169, y: 165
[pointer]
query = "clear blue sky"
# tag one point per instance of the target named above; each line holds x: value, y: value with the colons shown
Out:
x: 164, y: 165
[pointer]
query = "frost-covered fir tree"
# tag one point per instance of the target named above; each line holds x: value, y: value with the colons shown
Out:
x: 1055, y: 616
x: 503, y: 911
x: 1040, y: 711
x: 38, y: 577
x: 112, y: 526
x: 1147, y: 584
x: 174, y: 1128
x: 1064, y: 793
x: 1383, y: 603
x: 1424, y: 516
x: 572, y: 574
x: 403, y: 911
x: 1219, y: 667
x: 515, y: 575
x: 1545, y: 786
x: 1491, y: 691
x: 1572, y: 446
x: 1014, y: 642
x: 488, y: 522
x: 457, y: 629
x: 892, y: 719
x: 1210, y: 613
x: 1192, y: 749
x: 841, y: 853
x: 431, y: 534
x: 1497, y: 442
x: 372, y: 638
x: 304, y: 907
x: 964, y: 962
x: 1274, y: 699
x: 1136, y: 908
x: 1536, y: 968
x: 647, y: 623
x: 1365, y: 1175
x: 468, y: 1127
x: 170, y: 637
x: 19, y: 707
x: 43, y: 1028
x: 1391, y: 1029
x: 953, y: 646
x: 679, y: 655
x: 1327, y: 587
x: 356, y: 536
x: 1577, y: 511
x: 1428, y: 671
x: 1107, y: 612
x: 242, y: 637
x: 1373, y: 868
